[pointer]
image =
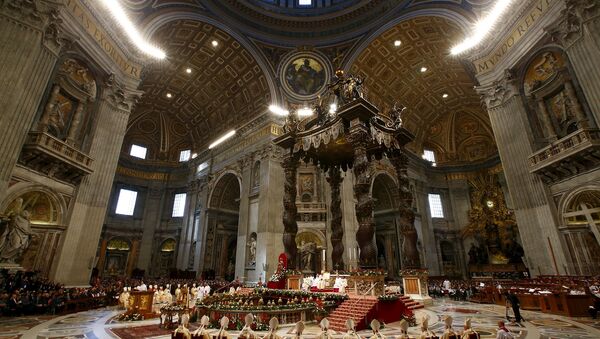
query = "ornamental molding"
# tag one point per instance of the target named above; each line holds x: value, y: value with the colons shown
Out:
x: 568, y: 28
x: 499, y: 92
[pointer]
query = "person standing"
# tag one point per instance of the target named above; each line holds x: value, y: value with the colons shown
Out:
x: 515, y: 304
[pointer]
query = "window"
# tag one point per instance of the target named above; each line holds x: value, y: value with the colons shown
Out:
x: 138, y: 151
x: 178, y: 205
x: 435, y: 206
x: 202, y: 166
x: 185, y: 155
x: 126, y: 202
x: 304, y: 2
x: 429, y: 156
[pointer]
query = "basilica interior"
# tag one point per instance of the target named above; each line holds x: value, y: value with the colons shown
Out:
x: 169, y: 165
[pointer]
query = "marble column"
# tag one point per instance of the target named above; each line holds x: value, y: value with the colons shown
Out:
x: 546, y: 121
x: 152, y: 215
x: 74, y: 128
x: 245, y: 168
x: 577, y: 31
x: 534, y: 209
x: 78, y: 251
x: 29, y: 36
x: 202, y: 229
x: 185, y: 250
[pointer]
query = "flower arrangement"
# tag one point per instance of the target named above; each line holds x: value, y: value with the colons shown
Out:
x: 130, y: 317
x: 388, y: 297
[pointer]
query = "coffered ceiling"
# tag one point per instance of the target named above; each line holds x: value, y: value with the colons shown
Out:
x: 224, y: 88
x: 456, y: 127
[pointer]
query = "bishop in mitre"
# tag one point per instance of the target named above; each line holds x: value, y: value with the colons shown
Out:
x: 469, y: 332
x: 273, y: 325
x: 425, y: 332
x: 247, y: 332
x: 324, y: 334
x: 351, y: 330
x: 375, y: 327
x: 403, y: 330
x: 298, y: 329
x: 202, y: 332
x: 223, y: 334
x: 448, y: 331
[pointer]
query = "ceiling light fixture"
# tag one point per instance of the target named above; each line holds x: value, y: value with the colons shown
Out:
x: 423, y: 69
x: 169, y: 95
x: 482, y: 27
x: 188, y: 70
x: 278, y: 110
x: 114, y: 7
x: 304, y: 112
x: 445, y: 95
x: 215, y: 43
x: 221, y: 139
x: 397, y: 43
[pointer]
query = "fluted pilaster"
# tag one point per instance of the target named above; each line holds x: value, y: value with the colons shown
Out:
x: 29, y: 38
x: 77, y: 255
x: 534, y: 210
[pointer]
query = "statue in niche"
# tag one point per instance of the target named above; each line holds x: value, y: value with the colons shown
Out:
x: 291, y: 123
x: 252, y: 250
x: 396, y: 114
x: 16, y: 235
x: 307, y: 251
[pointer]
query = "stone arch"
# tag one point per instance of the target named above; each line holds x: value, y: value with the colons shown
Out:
x: 21, y: 189
x: 385, y: 187
x: 580, y: 215
x: 117, y: 256
x: 384, y: 191
x: 220, y: 250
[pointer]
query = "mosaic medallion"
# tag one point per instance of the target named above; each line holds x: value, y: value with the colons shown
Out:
x: 304, y: 75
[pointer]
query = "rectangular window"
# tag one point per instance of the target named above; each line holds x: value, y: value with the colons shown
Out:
x: 435, y: 206
x: 304, y: 2
x: 429, y: 155
x: 138, y: 151
x: 201, y: 167
x: 179, y: 205
x: 185, y: 155
x: 126, y: 202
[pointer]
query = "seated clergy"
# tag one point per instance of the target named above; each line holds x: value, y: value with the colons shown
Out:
x: 202, y: 332
x: 247, y: 332
x: 469, y: 333
x: 403, y: 330
x: 351, y: 334
x: 324, y: 334
x: 181, y: 333
x: 375, y: 327
x: 223, y: 334
x: 298, y: 329
x: 448, y: 331
x: 273, y: 325
x: 425, y: 332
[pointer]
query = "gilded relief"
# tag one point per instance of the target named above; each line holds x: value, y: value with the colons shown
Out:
x: 541, y: 69
x: 60, y: 116
x: 40, y: 206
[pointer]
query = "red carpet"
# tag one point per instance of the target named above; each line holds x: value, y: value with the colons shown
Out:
x: 357, y: 308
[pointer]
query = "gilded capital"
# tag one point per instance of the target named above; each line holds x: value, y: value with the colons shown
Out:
x: 120, y: 96
x: 499, y: 92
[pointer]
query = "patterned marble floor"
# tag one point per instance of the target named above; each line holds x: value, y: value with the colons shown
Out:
x: 98, y: 324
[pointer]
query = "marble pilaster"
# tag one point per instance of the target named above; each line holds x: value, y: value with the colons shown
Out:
x: 153, y: 207
x: 243, y: 231
x: 76, y: 258
x: 534, y: 209
x: 29, y: 36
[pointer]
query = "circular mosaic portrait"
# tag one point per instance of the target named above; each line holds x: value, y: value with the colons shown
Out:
x: 304, y: 75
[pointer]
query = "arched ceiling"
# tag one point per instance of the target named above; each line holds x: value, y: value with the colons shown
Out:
x: 456, y: 127
x: 226, y: 87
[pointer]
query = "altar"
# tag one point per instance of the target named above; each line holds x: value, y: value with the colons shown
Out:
x: 140, y: 302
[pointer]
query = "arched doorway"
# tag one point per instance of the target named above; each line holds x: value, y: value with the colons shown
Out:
x: 117, y: 255
x: 167, y: 257
x: 311, y: 247
x: 221, y: 238
x: 384, y: 192
x: 581, y: 230
x: 31, y: 230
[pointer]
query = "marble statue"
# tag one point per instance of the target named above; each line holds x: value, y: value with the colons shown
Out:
x: 17, y: 234
x: 307, y: 251
x: 252, y: 251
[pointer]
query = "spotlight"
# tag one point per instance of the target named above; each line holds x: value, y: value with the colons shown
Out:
x: 215, y: 43
x: 221, y: 139
x: 397, y: 43
x: 278, y: 110
x: 445, y: 95
x: 423, y: 69
x: 188, y: 70
x: 305, y: 111
x: 169, y: 95
x: 194, y: 155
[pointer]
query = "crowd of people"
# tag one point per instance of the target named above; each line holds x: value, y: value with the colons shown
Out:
x: 27, y: 293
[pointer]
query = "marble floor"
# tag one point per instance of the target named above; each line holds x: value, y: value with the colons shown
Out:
x: 100, y: 324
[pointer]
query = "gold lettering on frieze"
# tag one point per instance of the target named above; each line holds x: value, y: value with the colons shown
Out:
x: 102, y: 38
x: 141, y: 174
x: 487, y: 63
x: 251, y: 139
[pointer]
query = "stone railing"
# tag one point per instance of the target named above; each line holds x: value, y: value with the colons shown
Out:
x: 311, y: 206
x: 571, y: 145
x: 58, y: 148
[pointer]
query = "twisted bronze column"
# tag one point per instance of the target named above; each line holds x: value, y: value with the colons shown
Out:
x: 410, y: 253
x: 290, y: 227
x: 365, y: 236
x: 337, y: 232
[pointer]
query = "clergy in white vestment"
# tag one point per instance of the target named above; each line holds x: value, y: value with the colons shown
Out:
x: 351, y: 330
x: 375, y: 327
x: 324, y: 334
x: 273, y: 326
